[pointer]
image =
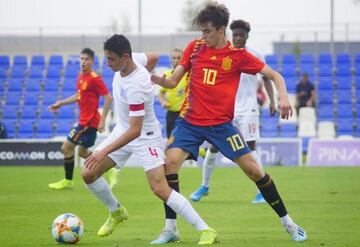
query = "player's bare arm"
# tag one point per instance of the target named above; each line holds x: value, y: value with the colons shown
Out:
x: 133, y: 132
x: 284, y: 104
x: 54, y: 107
x: 152, y: 60
x: 172, y: 81
x: 270, y: 92
x: 105, y: 111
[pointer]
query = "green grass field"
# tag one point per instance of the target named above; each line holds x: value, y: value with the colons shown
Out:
x: 325, y: 201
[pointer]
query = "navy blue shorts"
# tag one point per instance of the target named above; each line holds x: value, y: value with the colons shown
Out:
x: 82, y: 135
x: 225, y: 137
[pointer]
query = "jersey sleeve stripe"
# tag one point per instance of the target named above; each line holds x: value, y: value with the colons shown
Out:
x: 137, y: 107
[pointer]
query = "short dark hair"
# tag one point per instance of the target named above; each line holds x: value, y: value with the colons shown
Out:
x: 88, y: 52
x: 118, y: 44
x: 240, y: 24
x: 217, y: 14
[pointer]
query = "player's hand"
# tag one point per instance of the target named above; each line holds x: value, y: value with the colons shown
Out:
x: 272, y: 108
x: 165, y: 104
x: 54, y: 107
x: 94, y: 159
x: 285, y: 107
x: 101, y: 126
x: 159, y: 80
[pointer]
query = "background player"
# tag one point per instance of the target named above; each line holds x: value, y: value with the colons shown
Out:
x: 246, y: 117
x: 172, y: 98
x: 90, y: 87
x: 215, y: 67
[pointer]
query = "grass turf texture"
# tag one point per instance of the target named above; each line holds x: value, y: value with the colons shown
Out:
x: 325, y: 201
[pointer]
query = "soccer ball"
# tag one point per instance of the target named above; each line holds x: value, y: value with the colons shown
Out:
x: 67, y: 228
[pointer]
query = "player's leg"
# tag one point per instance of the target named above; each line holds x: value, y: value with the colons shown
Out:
x: 207, y: 171
x: 179, y: 204
x: 67, y: 149
x: 99, y: 187
x: 269, y: 191
x: 258, y: 197
x: 185, y: 142
x: 231, y: 143
x: 83, y: 151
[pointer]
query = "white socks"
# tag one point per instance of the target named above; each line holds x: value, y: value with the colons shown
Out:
x: 208, y: 167
x: 101, y: 190
x: 170, y: 224
x: 182, y: 207
x: 286, y: 220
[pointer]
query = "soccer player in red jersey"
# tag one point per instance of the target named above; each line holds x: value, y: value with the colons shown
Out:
x: 214, y: 67
x: 90, y: 87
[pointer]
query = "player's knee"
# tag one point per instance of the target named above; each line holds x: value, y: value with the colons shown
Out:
x: 67, y: 150
x: 172, y: 165
x: 159, y: 189
x: 88, y: 176
x: 83, y: 153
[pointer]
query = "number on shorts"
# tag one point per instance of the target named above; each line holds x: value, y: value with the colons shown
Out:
x: 236, y: 142
x: 72, y: 133
x: 252, y: 128
x: 153, y: 152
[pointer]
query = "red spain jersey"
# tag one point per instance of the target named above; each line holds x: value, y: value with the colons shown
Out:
x: 89, y: 88
x: 213, y: 81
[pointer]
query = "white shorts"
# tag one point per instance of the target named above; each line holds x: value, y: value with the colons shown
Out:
x: 149, y: 151
x: 248, y: 126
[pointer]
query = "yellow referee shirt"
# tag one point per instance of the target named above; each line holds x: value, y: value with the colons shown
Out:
x: 175, y: 96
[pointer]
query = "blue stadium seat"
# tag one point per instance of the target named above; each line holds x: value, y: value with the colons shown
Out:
x: 325, y: 96
x: 15, y: 85
x: 63, y: 126
x: 325, y: 58
x: 344, y: 111
x: 66, y: 112
x: 164, y: 61
x: 51, y: 85
x: 288, y: 130
x: 45, y: 128
x: 343, y: 58
x: 69, y: 84
x: 345, y: 126
x: 269, y: 134
x: 325, y: 83
x: 307, y: 59
x: 38, y: 61
x: 325, y: 70
x: 325, y: 112
x: 307, y: 68
x: 36, y: 72
x: 357, y: 69
x: 108, y: 82
x: 343, y: 70
x: 71, y: 71
x: 291, y: 82
x: 107, y: 72
x: 288, y: 70
x: 344, y: 96
x: 56, y: 61
x: 31, y: 98
x: 73, y: 60
x: 29, y: 112
x: 13, y: 98
x: 26, y: 129
x: 272, y: 61
x: 269, y: 124
x: 357, y: 82
x: 343, y: 82
x: 20, y: 61
x: 33, y: 85
x: 45, y: 113
x: 53, y: 72
x: 11, y: 127
x: 11, y: 112
x: 288, y: 59
x: 4, y: 62
x: 3, y: 73
x: 65, y: 94
x: 96, y: 65
x: 18, y: 72
x: 49, y: 97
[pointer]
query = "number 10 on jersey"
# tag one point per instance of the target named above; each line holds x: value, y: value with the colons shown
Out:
x: 236, y: 142
x: 209, y: 76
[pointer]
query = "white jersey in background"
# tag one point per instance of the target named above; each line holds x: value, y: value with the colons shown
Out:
x: 246, y: 99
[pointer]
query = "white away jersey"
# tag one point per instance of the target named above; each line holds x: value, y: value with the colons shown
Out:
x: 246, y: 99
x: 134, y: 96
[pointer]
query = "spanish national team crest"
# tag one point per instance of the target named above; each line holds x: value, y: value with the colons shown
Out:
x: 84, y: 85
x: 226, y: 63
